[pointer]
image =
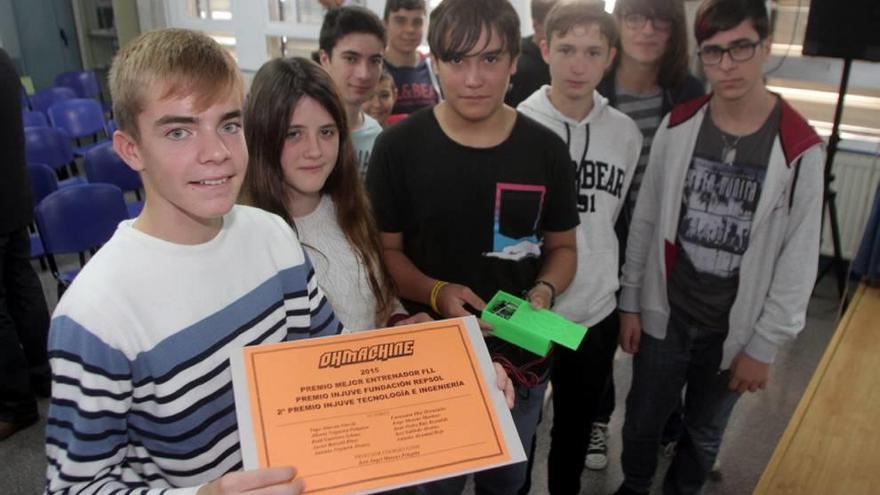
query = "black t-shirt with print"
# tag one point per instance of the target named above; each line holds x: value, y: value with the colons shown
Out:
x: 473, y: 216
x: 414, y: 87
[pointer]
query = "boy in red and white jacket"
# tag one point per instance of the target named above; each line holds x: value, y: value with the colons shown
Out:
x: 723, y: 250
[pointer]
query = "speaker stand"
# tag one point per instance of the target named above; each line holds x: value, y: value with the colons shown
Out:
x: 829, y: 196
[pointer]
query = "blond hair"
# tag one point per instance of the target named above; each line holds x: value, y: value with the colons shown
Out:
x: 170, y: 63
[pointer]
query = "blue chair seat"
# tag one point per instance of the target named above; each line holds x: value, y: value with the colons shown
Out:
x: 66, y: 278
x: 37, y: 250
x: 134, y: 208
x: 77, y: 220
x: 85, y: 148
x: 73, y: 181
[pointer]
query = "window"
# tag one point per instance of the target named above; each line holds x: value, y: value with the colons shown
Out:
x: 283, y: 46
x: 215, y: 10
x: 300, y: 11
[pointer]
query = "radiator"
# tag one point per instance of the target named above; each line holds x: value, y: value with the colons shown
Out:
x: 856, y: 178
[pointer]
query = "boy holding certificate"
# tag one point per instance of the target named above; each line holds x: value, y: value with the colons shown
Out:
x: 472, y: 198
x: 139, y: 344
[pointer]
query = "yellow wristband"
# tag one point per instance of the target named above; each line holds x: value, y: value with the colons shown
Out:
x: 435, y: 291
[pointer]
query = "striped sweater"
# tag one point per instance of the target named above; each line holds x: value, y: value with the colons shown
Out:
x: 139, y: 345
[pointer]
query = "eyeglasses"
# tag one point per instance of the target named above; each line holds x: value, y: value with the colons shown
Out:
x: 741, y: 51
x: 636, y: 21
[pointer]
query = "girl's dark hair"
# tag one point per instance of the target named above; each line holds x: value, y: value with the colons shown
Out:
x: 455, y: 27
x: 720, y: 15
x: 275, y: 92
x: 674, y: 64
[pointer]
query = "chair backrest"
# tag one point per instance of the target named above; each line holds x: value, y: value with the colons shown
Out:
x: 47, y: 145
x: 79, y: 117
x: 31, y: 118
x: 79, y: 218
x: 45, y: 98
x: 43, y: 181
x: 110, y: 127
x: 83, y: 82
x: 102, y: 164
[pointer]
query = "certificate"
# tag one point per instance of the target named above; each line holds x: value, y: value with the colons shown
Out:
x: 371, y: 411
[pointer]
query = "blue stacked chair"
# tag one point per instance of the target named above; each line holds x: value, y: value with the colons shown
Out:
x: 102, y: 164
x: 45, y: 98
x: 30, y: 118
x: 84, y: 83
x: 51, y: 147
x: 78, y: 220
x: 43, y: 183
x: 79, y: 118
x: 110, y: 128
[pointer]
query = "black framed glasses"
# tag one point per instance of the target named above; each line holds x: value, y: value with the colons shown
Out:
x: 740, y: 51
x: 636, y: 21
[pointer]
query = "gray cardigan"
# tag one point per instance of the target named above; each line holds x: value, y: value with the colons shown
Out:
x: 779, y: 266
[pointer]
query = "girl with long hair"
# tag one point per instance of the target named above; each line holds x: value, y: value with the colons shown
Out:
x: 649, y: 76
x: 303, y: 168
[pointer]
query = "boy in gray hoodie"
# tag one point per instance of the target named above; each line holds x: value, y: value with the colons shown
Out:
x: 604, y: 146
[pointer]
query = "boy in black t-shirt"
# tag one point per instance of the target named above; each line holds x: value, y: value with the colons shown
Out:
x: 472, y: 198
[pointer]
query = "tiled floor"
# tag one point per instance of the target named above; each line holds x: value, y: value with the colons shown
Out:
x: 757, y: 423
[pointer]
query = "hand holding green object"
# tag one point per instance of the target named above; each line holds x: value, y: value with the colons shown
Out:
x: 515, y: 321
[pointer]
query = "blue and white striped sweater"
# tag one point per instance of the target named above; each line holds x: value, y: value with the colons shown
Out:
x: 139, y: 404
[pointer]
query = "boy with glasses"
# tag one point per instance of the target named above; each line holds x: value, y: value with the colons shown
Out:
x: 722, y: 252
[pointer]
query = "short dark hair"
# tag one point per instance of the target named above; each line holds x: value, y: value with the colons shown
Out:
x: 339, y: 23
x: 674, y: 64
x: 567, y: 15
x: 455, y: 26
x: 395, y: 5
x: 720, y: 15
x: 540, y: 9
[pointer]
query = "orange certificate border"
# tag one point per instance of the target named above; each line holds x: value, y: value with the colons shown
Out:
x: 257, y: 382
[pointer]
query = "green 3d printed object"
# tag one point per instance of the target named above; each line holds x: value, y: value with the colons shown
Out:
x: 514, y: 320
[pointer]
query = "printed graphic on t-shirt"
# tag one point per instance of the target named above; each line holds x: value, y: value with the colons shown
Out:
x: 412, y: 96
x: 517, y: 212
x: 718, y: 206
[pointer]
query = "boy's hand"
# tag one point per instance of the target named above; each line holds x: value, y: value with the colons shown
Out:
x: 540, y: 297
x: 630, y: 332
x: 265, y: 481
x: 451, y: 301
x: 747, y: 374
x: 504, y: 383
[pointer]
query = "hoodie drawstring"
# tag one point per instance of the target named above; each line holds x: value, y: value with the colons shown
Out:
x: 586, y: 141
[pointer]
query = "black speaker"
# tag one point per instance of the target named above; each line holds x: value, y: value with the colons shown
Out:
x: 844, y: 29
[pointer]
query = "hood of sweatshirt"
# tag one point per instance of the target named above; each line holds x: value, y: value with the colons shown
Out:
x: 539, y: 105
x: 576, y: 133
